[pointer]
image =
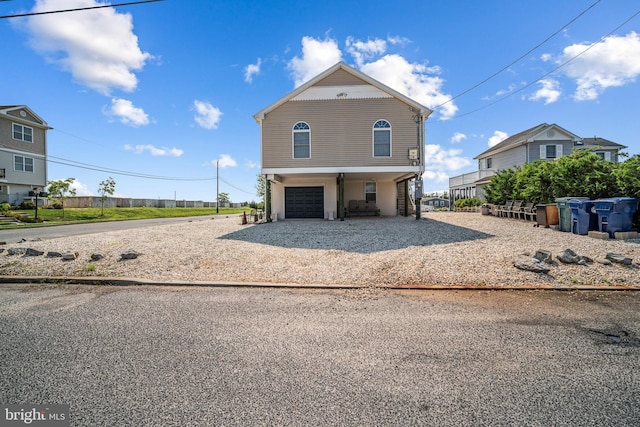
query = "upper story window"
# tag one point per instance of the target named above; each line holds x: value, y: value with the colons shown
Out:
x: 551, y: 151
x: 22, y: 164
x: 382, y: 139
x: 301, y: 141
x: 489, y: 163
x: 22, y: 133
x: 604, y: 155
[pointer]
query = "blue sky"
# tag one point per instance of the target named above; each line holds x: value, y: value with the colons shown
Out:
x: 166, y: 89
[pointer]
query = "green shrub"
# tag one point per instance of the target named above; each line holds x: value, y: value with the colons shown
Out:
x: 470, y: 202
x: 5, y: 207
x: 581, y: 174
x: 27, y: 205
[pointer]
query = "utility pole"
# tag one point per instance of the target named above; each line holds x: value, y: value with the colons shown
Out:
x: 217, y: 188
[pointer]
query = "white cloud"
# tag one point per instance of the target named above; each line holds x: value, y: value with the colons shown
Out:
x: 612, y: 63
x: 226, y: 161
x: 98, y: 47
x: 250, y: 164
x: 81, y: 189
x: 155, y: 151
x: 437, y: 176
x: 417, y: 81
x: 362, y: 51
x: 549, y: 91
x: 413, y: 80
x: 317, y: 56
x: 207, y: 116
x: 127, y: 113
x: 458, y: 137
x: 498, y: 137
x: 440, y: 160
x: 251, y: 70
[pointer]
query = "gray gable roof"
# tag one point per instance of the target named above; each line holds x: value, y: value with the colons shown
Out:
x: 424, y: 111
x: 529, y: 135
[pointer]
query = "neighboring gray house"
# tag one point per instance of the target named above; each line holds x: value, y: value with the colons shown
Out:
x: 432, y: 203
x: 339, y: 139
x: 545, y: 141
x: 23, y: 151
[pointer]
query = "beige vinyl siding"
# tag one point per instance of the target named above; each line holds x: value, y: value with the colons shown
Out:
x: 341, y: 133
x: 7, y: 141
x: 340, y: 78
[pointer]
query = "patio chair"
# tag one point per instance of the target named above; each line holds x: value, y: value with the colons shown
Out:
x: 353, y: 208
x: 503, y: 210
x: 514, y: 211
x: 529, y: 212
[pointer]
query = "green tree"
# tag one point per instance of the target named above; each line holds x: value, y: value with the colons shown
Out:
x: 627, y: 176
x: 261, y: 186
x: 106, y: 189
x: 502, y: 187
x: 223, y: 198
x: 61, y: 190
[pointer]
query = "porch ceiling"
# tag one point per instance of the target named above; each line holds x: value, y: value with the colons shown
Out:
x: 348, y: 176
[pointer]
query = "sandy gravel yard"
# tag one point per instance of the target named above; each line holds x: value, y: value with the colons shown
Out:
x: 443, y: 248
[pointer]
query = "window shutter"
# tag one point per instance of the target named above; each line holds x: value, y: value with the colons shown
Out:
x: 543, y: 151
x: 482, y: 167
x: 607, y: 155
x: 558, y: 151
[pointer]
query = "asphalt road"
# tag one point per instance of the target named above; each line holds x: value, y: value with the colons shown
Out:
x: 52, y: 232
x: 149, y: 356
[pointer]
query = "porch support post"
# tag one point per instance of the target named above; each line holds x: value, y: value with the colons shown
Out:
x: 267, y: 198
x: 406, y: 197
x: 341, y: 196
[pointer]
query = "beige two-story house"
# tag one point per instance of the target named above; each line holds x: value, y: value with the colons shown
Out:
x: 340, y: 138
x: 23, y: 150
x: 541, y: 142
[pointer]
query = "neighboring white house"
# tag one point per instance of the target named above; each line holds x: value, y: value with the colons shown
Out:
x: 23, y: 151
x: 339, y: 141
x: 545, y: 141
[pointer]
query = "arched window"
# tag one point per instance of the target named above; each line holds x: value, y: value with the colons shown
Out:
x: 301, y: 141
x: 382, y: 139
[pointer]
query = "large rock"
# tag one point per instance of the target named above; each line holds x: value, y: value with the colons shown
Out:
x: 527, y: 263
x: 130, y: 254
x: 543, y: 256
x: 71, y: 256
x: 620, y: 259
x: 33, y: 252
x: 16, y: 251
x: 570, y: 257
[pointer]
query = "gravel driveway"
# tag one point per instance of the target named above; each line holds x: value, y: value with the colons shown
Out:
x: 443, y: 248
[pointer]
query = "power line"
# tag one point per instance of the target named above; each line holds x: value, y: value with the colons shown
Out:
x: 602, y: 39
x: 519, y: 58
x: 78, y: 9
x: 80, y: 165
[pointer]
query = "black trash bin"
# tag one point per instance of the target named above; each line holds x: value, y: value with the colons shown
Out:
x: 583, y: 219
x: 615, y: 214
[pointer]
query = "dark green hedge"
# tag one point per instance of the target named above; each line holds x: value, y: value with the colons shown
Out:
x: 581, y: 174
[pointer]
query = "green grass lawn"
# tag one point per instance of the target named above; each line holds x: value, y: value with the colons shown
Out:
x: 83, y: 215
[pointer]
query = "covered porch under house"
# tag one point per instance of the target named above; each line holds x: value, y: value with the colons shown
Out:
x: 338, y: 195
